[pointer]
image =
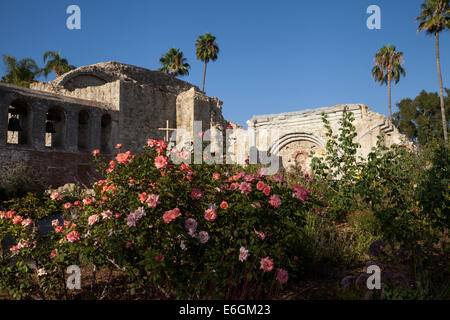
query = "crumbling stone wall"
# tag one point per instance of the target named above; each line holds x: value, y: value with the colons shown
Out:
x: 66, y: 161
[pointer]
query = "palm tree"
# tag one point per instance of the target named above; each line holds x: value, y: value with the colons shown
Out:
x: 206, y: 50
x: 21, y: 72
x: 434, y: 18
x: 174, y: 64
x: 56, y: 64
x: 388, y: 66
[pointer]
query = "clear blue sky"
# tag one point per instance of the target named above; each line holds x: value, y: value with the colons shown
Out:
x: 275, y: 56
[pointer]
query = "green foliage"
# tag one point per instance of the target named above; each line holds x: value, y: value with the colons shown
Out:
x: 174, y: 64
x: 339, y: 168
x: 22, y: 72
x: 420, y: 119
x: 434, y: 17
x: 55, y: 63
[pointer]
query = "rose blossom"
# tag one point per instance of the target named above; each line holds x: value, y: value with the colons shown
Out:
x: 267, y: 190
x: 245, y: 187
x: 161, y: 162
x: 282, y: 276
x: 224, y: 205
x: 191, y: 225
x: 142, y: 196
x: 67, y: 206
x: 203, y: 237
x: 93, y: 219
x: 210, y: 214
x: 107, y: 214
x: 17, y: 220
x: 266, y: 264
x: 260, y: 234
x: 152, y: 200
x: 27, y: 222
x: 41, y: 272
x: 73, y: 236
x: 243, y: 254
x: 196, y: 194
x: 275, y: 201
x: 171, y: 215
x: 260, y: 185
x: 95, y: 152
x: 56, y: 196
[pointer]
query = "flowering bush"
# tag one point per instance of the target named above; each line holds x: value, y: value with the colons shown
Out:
x: 179, y: 231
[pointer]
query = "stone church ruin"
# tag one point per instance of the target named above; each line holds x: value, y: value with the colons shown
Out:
x: 53, y: 126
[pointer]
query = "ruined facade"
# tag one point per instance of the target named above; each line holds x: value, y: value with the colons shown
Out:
x: 98, y: 106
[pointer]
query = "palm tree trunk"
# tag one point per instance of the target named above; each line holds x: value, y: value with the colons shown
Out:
x: 438, y: 63
x: 204, y: 76
x: 389, y: 96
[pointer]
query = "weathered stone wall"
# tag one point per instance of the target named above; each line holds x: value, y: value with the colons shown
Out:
x: 294, y: 135
x: 107, y: 93
x: 143, y: 110
x: 63, y: 161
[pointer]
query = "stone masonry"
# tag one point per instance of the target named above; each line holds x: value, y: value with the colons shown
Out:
x: 98, y: 106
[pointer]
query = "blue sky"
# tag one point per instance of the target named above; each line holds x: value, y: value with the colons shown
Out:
x: 275, y: 56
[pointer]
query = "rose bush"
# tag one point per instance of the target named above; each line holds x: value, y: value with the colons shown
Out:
x: 177, y: 231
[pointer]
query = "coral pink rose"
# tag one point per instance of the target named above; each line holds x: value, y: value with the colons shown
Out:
x: 73, y: 236
x: 161, y: 162
x: 275, y: 201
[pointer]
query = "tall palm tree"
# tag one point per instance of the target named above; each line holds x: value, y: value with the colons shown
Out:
x: 174, y: 64
x: 388, y: 66
x: 56, y: 64
x: 22, y: 72
x: 434, y: 18
x: 206, y: 50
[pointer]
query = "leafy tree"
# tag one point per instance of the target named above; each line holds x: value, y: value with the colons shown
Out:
x: 174, y: 64
x: 420, y: 118
x: 434, y: 18
x: 56, y: 64
x: 206, y: 50
x: 388, y: 66
x: 22, y: 72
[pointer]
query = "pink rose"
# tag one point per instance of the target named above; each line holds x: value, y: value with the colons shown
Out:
x: 282, y: 276
x: 93, y: 219
x: 266, y: 264
x: 161, y: 162
x: 152, y: 200
x: 73, y: 236
x: 275, y: 201
x: 196, y: 194
x: 171, y: 215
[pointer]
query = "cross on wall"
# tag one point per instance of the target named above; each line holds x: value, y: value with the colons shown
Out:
x: 167, y: 129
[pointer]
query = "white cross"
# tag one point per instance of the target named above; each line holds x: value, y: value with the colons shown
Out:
x: 167, y: 129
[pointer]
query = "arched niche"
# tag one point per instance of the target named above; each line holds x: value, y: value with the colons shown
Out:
x: 19, y: 123
x: 295, y: 148
x: 105, y: 135
x: 83, y: 130
x: 55, y: 128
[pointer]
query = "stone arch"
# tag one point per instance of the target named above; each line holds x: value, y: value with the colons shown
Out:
x: 20, y: 112
x: 79, y: 79
x: 106, y: 133
x: 56, y: 118
x: 83, y: 130
x: 294, y: 149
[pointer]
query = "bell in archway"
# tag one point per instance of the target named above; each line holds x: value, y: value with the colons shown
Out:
x: 14, y: 124
x: 49, y: 127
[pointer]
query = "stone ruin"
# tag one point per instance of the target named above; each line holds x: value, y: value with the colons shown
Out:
x: 98, y: 106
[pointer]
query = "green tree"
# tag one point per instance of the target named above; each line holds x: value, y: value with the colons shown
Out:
x: 22, y: 72
x: 420, y: 118
x: 54, y: 62
x: 434, y: 18
x: 174, y: 64
x: 388, y: 66
x: 206, y: 50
